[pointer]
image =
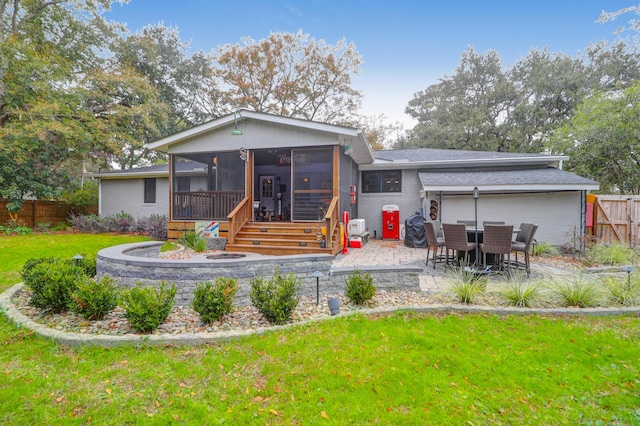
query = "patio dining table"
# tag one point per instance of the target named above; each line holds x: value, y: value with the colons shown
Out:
x: 471, y: 237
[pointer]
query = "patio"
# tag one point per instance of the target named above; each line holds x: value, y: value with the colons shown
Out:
x: 382, y: 252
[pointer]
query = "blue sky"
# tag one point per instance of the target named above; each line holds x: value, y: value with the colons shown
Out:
x: 406, y: 44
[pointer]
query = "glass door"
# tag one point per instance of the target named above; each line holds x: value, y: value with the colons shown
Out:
x: 312, y: 172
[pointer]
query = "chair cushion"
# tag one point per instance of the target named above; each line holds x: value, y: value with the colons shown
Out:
x: 518, y: 246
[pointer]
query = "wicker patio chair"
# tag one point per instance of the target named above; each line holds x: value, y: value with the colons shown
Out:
x: 455, y: 238
x: 497, y: 241
x: 435, y: 242
x: 438, y: 228
x: 491, y: 222
x: 523, y: 242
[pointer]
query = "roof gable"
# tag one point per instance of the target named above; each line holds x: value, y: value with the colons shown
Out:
x: 261, y: 130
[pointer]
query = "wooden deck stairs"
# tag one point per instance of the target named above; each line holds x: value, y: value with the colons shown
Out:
x: 282, y: 238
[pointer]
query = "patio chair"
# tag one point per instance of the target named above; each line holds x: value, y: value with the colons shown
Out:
x: 455, y: 238
x: 434, y: 241
x: 497, y: 241
x: 438, y: 228
x: 523, y: 242
x: 467, y: 222
x: 492, y: 222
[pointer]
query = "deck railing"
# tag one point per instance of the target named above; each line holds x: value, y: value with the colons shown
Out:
x: 331, y: 219
x: 205, y: 205
x: 237, y: 218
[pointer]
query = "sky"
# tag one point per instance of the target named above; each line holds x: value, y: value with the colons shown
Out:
x: 406, y: 45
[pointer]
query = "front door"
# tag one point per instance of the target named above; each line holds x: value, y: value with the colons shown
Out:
x: 267, y: 196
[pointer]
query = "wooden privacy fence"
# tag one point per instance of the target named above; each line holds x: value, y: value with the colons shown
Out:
x: 616, y: 218
x: 36, y: 211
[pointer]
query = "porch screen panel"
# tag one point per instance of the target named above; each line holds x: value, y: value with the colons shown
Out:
x: 312, y: 170
x: 207, y: 186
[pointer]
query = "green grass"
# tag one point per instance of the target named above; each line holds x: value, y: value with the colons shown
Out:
x: 15, y: 250
x: 611, y: 254
x: 404, y: 368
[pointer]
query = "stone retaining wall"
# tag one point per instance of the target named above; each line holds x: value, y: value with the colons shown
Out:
x: 130, y: 264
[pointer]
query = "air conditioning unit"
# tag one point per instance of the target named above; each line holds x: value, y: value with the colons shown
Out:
x: 356, y: 227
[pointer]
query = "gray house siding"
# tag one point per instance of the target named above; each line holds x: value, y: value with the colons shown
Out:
x: 558, y: 214
x: 409, y: 202
x: 118, y: 195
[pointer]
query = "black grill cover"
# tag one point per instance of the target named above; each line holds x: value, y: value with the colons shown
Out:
x: 414, y: 234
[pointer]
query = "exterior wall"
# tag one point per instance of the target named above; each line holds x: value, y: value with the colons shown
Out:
x: 558, y: 214
x: 117, y: 195
x: 129, y: 264
x: 348, y: 176
x: 256, y: 135
x: 370, y: 204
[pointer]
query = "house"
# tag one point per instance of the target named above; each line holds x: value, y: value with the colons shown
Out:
x: 279, y: 185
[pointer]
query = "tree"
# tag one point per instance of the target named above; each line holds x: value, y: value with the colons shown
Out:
x: 603, y: 140
x: 549, y: 86
x: 290, y: 75
x: 183, y: 81
x: 126, y: 112
x: 467, y: 110
x: 612, y: 16
x: 44, y: 46
x: 378, y: 132
x: 483, y: 107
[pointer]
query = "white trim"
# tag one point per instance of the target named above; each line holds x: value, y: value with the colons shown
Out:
x: 437, y: 164
x: 512, y: 188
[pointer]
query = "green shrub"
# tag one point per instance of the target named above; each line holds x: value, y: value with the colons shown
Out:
x: 147, y: 307
x: 275, y: 298
x: 32, y: 263
x: 194, y: 241
x: 543, y: 248
x: 214, y: 300
x: 88, y: 264
x: 15, y: 229
x: 83, y: 200
x: 622, y: 291
x: 93, y: 299
x: 467, y: 285
x: 60, y: 226
x: 578, y: 292
x: 519, y: 291
x: 52, y: 283
x: 610, y: 254
x: 43, y: 227
x: 359, y: 288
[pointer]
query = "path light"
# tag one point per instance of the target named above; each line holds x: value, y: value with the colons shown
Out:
x: 317, y: 274
x: 77, y: 258
x: 628, y: 270
x: 476, y: 195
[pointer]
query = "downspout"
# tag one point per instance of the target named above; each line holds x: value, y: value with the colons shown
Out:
x: 99, y: 197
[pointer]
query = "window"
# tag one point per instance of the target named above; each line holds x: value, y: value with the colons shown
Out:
x: 382, y: 181
x: 149, y: 190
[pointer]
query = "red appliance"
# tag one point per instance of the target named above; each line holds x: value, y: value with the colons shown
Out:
x: 390, y: 222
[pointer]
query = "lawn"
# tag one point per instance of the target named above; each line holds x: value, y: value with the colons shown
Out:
x: 404, y: 368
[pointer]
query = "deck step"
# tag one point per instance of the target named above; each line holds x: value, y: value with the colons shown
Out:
x: 276, y: 250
